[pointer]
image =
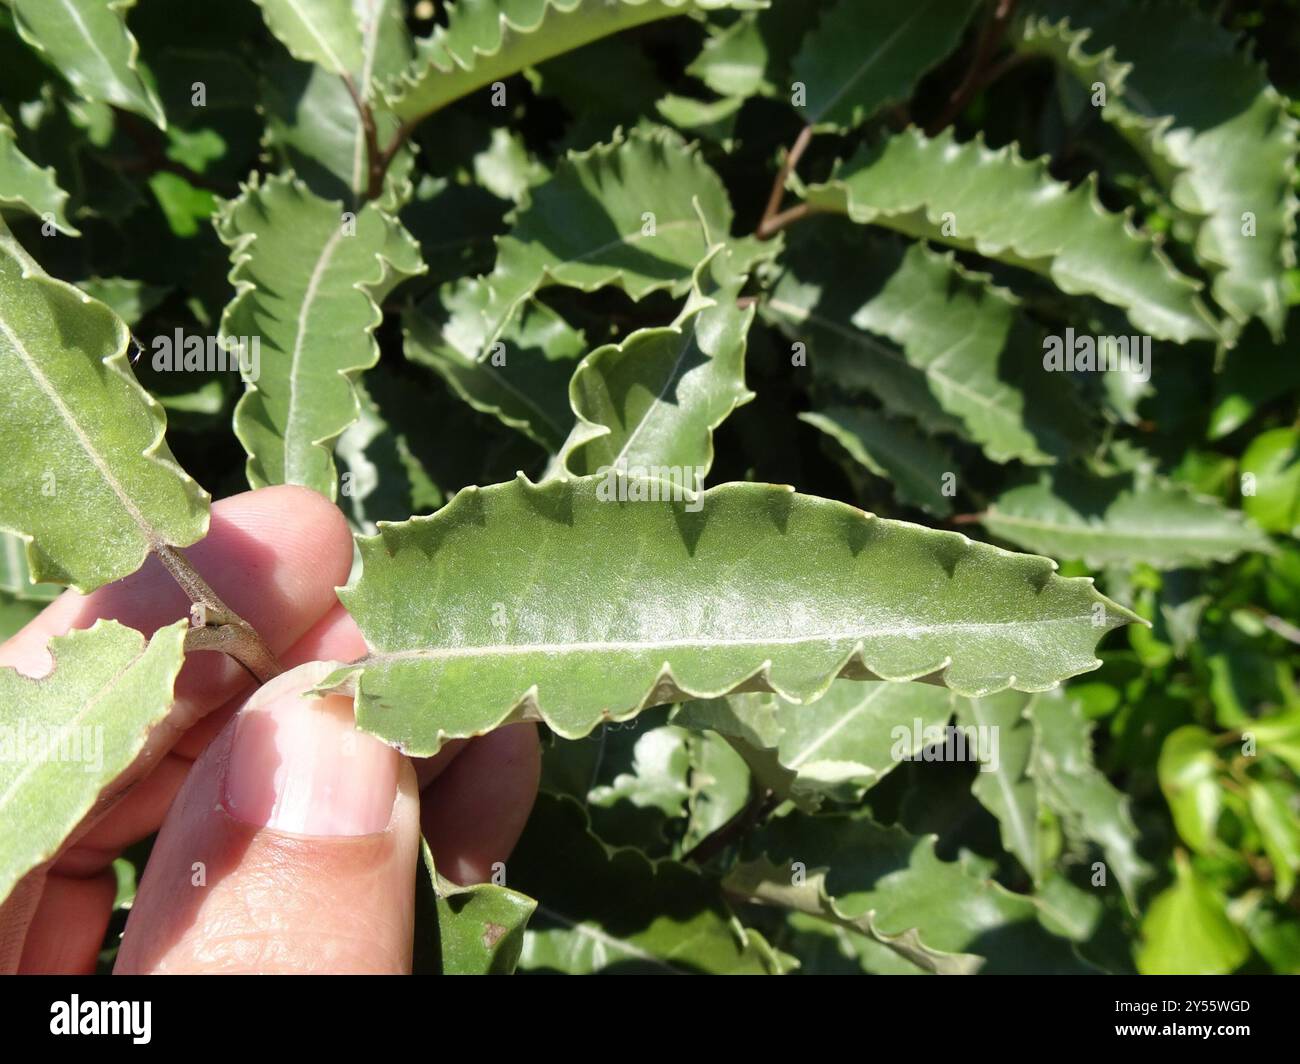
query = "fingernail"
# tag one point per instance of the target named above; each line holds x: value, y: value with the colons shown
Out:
x: 298, y: 764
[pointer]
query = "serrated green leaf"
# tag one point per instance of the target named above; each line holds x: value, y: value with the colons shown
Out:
x: 1224, y: 143
x: 862, y: 57
x: 524, y: 380
x: 893, y: 449
x: 933, y: 341
x: 582, y: 609
x: 1186, y: 931
x: 325, y: 32
x: 88, y: 43
x: 941, y: 915
x: 603, y: 910
x: 1010, y: 209
x: 85, y: 442
x: 1120, y: 519
x: 838, y: 747
x: 66, y: 737
x: 487, y: 40
x: 307, y: 283
x: 653, y: 401
x: 27, y: 186
x: 640, y: 212
x: 480, y: 928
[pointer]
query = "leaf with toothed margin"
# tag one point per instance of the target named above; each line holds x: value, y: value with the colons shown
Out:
x: 571, y: 603
x: 487, y: 40
x: 308, y: 281
x: 864, y: 56
x: 941, y: 915
x: 639, y: 212
x: 654, y: 400
x: 1122, y: 519
x: 68, y: 736
x: 29, y: 187
x: 90, y: 482
x: 88, y: 43
x: 839, y: 747
x: 601, y: 909
x: 1223, y: 142
x: 524, y: 383
x: 1011, y: 209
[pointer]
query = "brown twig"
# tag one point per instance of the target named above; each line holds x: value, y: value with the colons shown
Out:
x: 976, y: 76
x: 213, y: 624
x: 774, y: 219
x: 153, y: 159
x: 763, y: 802
x: 378, y: 160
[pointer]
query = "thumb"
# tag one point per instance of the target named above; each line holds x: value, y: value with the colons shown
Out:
x: 291, y: 847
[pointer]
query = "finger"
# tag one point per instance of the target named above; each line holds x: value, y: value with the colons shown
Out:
x: 291, y: 848
x: 474, y: 813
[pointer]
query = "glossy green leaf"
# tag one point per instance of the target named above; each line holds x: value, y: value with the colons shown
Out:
x: 1189, y: 778
x: 640, y: 213
x: 326, y: 32
x: 89, y: 44
x: 308, y: 278
x: 68, y: 736
x: 653, y: 401
x: 1120, y: 519
x: 916, y: 466
x: 862, y: 57
x: 935, y: 342
x: 485, y: 41
x: 15, y: 577
x: 614, y: 911
x: 1273, y: 463
x: 523, y: 382
x: 1275, y: 808
x: 839, y: 746
x: 1186, y: 930
x: 84, y: 441
x: 1010, y: 209
x: 941, y: 915
x: 650, y: 602
x: 1224, y: 143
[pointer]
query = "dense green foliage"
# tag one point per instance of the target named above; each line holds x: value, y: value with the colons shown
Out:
x: 468, y: 258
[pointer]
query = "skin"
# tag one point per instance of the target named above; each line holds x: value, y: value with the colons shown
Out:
x: 270, y: 900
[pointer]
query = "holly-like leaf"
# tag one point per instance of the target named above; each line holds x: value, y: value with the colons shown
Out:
x: 1010, y: 209
x: 523, y: 382
x: 308, y: 278
x: 933, y: 341
x: 477, y: 930
x: 85, y: 442
x: 485, y: 41
x: 888, y: 447
x: 838, y: 747
x: 612, y: 910
x: 68, y: 736
x: 29, y: 187
x: 89, y: 44
x: 584, y: 607
x: 1224, y: 143
x: 862, y: 57
x: 653, y: 401
x: 942, y: 916
x: 640, y: 213
x: 1122, y: 519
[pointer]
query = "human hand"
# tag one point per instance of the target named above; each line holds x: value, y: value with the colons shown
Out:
x: 289, y: 841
